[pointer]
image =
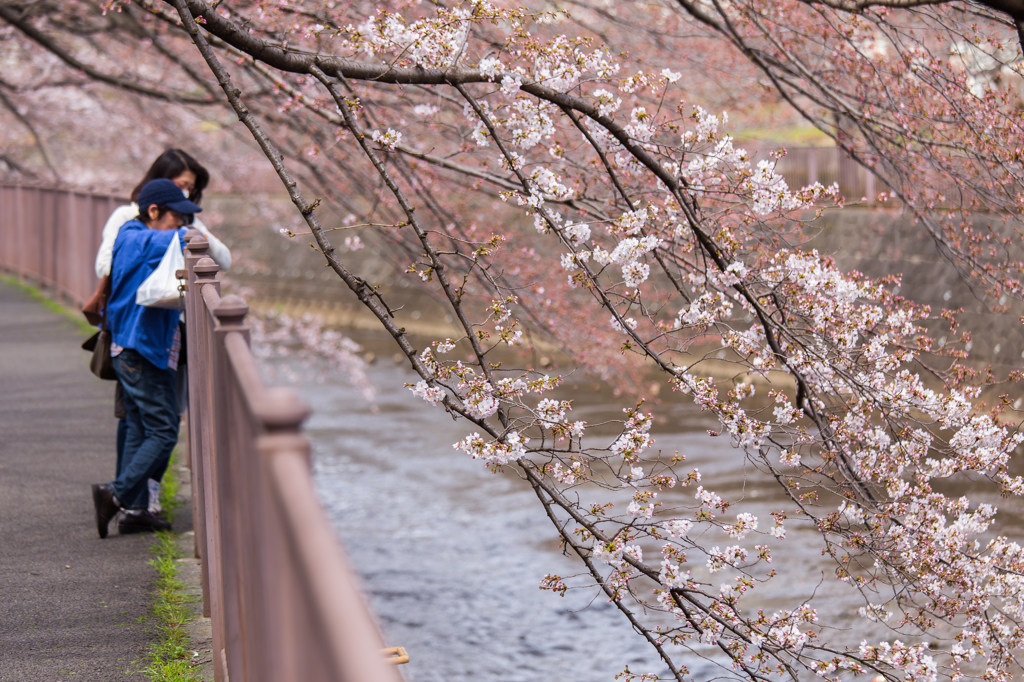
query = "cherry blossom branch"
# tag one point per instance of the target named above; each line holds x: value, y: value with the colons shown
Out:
x: 367, y: 296
x: 436, y: 264
x: 12, y: 107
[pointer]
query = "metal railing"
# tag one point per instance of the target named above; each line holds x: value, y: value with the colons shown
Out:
x: 803, y: 166
x: 283, y: 602
x: 50, y: 236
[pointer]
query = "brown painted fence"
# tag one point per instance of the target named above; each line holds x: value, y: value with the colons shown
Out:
x: 283, y: 602
x: 803, y: 166
x: 51, y: 236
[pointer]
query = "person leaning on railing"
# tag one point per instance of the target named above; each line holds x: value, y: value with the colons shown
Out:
x: 145, y: 345
x: 191, y: 178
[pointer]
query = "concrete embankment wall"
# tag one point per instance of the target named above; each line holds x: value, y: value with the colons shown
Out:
x: 881, y: 242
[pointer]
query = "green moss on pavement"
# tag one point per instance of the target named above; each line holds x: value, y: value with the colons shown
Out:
x: 174, y: 605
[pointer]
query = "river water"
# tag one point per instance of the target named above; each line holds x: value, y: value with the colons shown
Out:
x: 451, y: 555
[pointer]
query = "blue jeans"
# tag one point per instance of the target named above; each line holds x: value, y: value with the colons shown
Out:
x: 151, y: 420
x: 122, y: 436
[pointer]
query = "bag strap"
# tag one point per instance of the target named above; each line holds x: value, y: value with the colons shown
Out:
x: 106, y: 302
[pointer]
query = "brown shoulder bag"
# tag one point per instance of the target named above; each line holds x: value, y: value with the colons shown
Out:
x: 101, y: 364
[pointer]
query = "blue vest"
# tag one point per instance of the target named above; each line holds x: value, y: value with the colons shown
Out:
x: 149, y: 331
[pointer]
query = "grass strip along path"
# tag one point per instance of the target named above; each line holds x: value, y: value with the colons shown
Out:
x: 175, y: 656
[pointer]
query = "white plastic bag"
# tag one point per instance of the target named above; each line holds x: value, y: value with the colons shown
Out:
x: 160, y: 289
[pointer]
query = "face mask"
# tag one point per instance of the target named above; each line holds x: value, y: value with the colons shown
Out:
x: 185, y: 192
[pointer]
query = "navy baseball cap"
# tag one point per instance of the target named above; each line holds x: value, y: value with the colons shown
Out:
x: 163, y: 192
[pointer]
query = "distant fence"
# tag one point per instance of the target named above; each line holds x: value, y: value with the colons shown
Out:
x: 802, y: 166
x: 283, y: 602
x: 51, y: 236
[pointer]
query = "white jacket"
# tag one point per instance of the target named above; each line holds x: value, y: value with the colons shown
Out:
x: 122, y: 214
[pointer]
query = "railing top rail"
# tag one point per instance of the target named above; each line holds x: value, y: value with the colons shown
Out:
x: 353, y: 639
x: 67, y: 190
x: 277, y: 409
x: 211, y: 298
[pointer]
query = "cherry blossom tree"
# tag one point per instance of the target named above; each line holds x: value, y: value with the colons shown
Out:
x: 628, y: 227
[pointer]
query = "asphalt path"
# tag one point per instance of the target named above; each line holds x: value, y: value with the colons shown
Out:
x: 72, y: 606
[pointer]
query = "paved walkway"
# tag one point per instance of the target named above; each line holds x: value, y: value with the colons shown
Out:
x: 72, y: 606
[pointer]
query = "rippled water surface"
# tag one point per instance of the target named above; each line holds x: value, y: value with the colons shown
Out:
x: 451, y: 555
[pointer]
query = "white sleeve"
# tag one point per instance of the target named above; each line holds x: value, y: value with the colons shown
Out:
x: 119, y: 217
x: 219, y: 252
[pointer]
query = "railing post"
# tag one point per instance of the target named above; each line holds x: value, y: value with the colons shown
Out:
x: 19, y: 228
x: 10, y: 227
x: 203, y: 272
x: 196, y: 322
x: 64, y: 258
x: 229, y: 467
x: 194, y: 251
x: 286, y: 623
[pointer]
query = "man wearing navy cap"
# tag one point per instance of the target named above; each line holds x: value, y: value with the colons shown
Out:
x: 145, y: 356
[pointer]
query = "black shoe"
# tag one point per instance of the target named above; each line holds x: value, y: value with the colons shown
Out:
x: 106, y: 506
x: 141, y: 522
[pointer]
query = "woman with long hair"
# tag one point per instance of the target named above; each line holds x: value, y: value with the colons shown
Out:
x: 191, y: 178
